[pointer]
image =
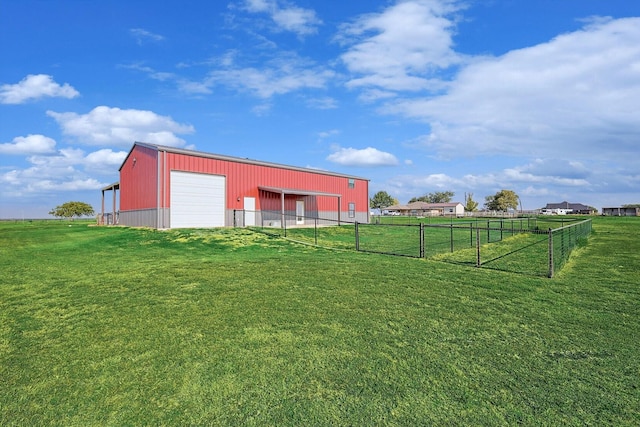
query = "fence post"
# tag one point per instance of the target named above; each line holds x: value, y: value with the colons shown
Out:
x: 478, y: 247
x: 471, y: 234
x: 451, y: 234
x: 421, y: 240
x: 488, y: 231
x: 357, y: 237
x: 315, y: 226
x: 550, y: 253
x: 562, y: 245
x: 234, y: 218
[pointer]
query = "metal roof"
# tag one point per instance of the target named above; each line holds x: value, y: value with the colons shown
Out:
x: 567, y: 205
x: 114, y: 186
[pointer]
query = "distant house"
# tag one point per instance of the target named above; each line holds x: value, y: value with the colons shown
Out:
x: 564, y: 208
x: 426, y: 209
x: 622, y: 211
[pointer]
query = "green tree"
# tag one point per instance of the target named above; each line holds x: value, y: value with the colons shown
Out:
x: 381, y: 200
x: 470, y: 204
x: 72, y: 209
x: 437, y: 197
x: 503, y: 200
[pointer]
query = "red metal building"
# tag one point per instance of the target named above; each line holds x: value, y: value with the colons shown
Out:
x: 166, y: 187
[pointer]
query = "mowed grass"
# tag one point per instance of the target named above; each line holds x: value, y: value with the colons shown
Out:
x: 122, y: 326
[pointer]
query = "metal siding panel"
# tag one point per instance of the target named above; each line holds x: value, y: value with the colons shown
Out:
x: 243, y: 180
x: 138, y: 180
x: 139, y: 218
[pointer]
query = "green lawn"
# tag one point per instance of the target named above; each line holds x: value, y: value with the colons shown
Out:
x: 120, y: 326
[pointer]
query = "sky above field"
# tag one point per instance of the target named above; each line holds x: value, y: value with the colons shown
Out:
x: 539, y: 97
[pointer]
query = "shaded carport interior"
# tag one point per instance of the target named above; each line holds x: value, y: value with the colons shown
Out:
x: 115, y: 187
x: 297, y: 192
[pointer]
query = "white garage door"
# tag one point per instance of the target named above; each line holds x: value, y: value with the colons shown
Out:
x: 197, y: 200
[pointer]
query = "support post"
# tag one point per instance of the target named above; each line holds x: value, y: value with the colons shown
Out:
x: 102, y: 212
x: 282, y: 218
x: 114, y: 205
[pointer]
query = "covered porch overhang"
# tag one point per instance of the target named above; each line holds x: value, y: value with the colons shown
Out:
x: 297, y: 192
x: 115, y: 187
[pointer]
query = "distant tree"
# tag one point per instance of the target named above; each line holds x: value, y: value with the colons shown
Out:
x: 632, y: 205
x: 72, y: 209
x: 503, y: 200
x: 381, y: 200
x: 437, y: 197
x: 470, y: 204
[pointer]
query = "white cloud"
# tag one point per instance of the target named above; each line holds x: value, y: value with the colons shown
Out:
x: 288, y: 17
x: 365, y: 157
x: 68, y: 185
x: 142, y: 35
x: 66, y: 170
x: 104, y: 161
x: 194, y: 88
x: 325, y: 103
x: 35, y: 86
x: 373, y: 95
x: 259, y: 5
x: 114, y: 126
x: 262, y: 110
x: 328, y: 133
x: 401, y: 48
x: 574, y: 97
x: 286, y: 72
x: 298, y: 20
x: 156, y: 75
x: 416, y: 185
x: 282, y: 75
x: 538, y: 182
x: 62, y: 161
x: 30, y: 144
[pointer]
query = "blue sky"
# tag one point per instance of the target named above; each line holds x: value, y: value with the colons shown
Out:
x: 539, y: 97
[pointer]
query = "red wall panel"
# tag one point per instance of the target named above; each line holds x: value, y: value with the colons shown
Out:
x: 146, y: 170
x: 243, y: 180
x: 139, y: 179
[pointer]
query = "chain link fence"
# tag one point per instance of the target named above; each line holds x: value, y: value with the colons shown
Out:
x: 532, y: 245
x: 325, y: 232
